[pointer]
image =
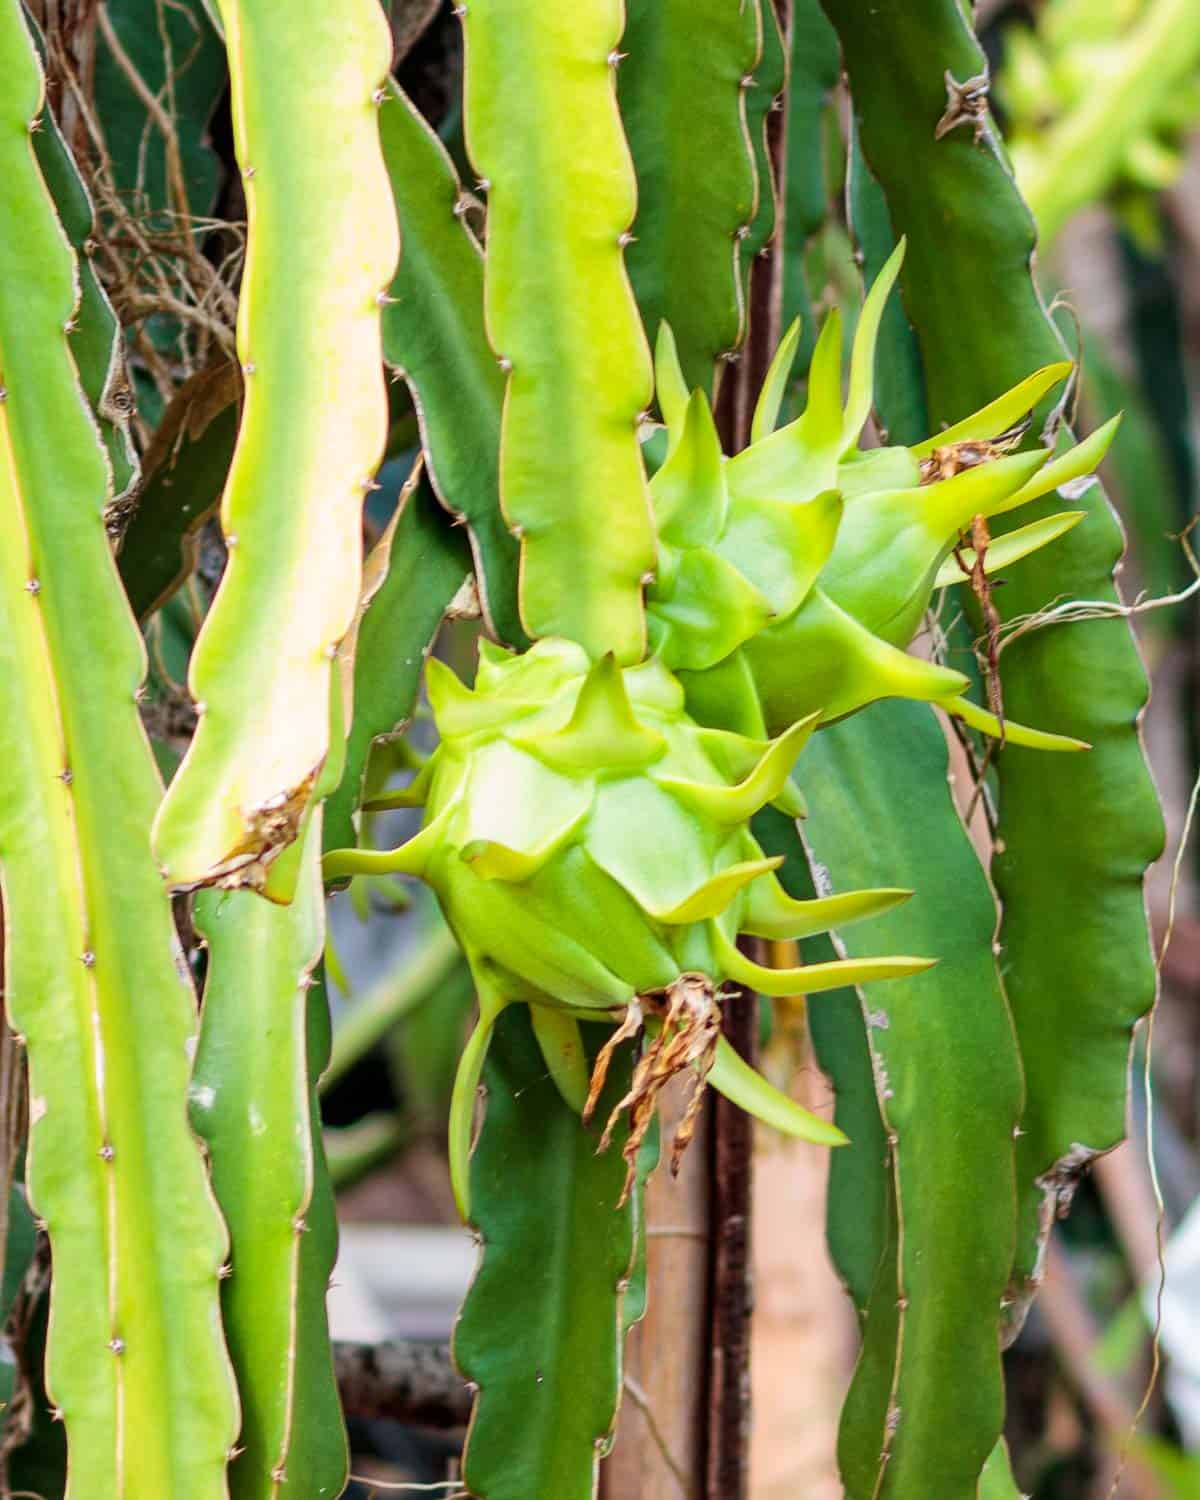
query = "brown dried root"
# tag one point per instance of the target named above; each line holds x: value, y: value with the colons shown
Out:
x: 685, y: 1039
x: 944, y: 463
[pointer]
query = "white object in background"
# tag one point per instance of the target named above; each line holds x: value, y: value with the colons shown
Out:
x: 399, y: 1281
x: 1180, y: 1331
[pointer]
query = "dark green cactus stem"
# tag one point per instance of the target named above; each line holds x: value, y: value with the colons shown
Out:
x: 683, y: 88
x: 184, y: 472
x: 541, y: 1331
x: 813, y: 68
x: 433, y: 333
x: 94, y: 979
x: 96, y: 344
x: 1073, y: 840
x: 180, y: 58
x: 927, y: 1402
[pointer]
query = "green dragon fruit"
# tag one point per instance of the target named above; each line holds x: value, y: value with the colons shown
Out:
x: 792, y: 577
x: 588, y: 844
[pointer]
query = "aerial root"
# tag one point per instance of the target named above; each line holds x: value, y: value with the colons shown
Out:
x: 685, y: 1039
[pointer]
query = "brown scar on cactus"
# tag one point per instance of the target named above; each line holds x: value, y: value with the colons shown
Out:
x: 966, y: 104
x: 270, y: 828
x: 684, y: 1035
x: 1058, y: 1185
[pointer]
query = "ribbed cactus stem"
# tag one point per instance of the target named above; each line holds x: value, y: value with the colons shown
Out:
x: 96, y: 984
x: 545, y: 137
x: 306, y: 90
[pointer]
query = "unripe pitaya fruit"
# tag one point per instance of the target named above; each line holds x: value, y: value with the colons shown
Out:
x: 588, y: 844
x: 792, y: 577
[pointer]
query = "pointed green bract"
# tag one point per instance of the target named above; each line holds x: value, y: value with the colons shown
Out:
x: 774, y: 386
x: 135, y: 1362
x: 1010, y: 548
x: 1000, y: 415
x: 741, y: 1085
x: 561, y: 1043
x: 683, y: 92
x: 860, y: 399
x: 254, y: 1104
x: 812, y: 979
x: 312, y: 432
x: 540, y: 111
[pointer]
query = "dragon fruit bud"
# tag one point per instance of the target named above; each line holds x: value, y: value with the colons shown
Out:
x: 793, y: 576
x: 588, y: 843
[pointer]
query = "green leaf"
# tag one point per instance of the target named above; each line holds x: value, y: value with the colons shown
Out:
x: 263, y: 1043
x: 928, y: 1391
x: 1075, y: 955
x: 433, y: 331
x: 541, y: 1330
x: 313, y: 428
x: 135, y: 1358
x: 683, y: 100
x: 544, y: 132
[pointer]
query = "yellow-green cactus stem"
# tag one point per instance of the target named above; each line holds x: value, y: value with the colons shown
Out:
x: 544, y: 134
x: 95, y: 982
x: 306, y: 85
x: 588, y: 844
x: 793, y: 576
